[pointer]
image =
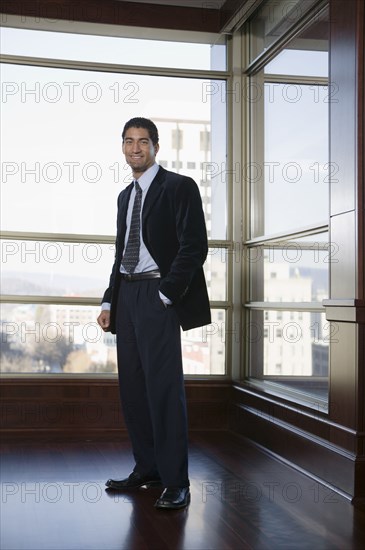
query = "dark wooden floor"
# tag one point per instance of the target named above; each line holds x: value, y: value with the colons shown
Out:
x: 53, y: 497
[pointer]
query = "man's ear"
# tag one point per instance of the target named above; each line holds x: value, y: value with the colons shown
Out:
x: 156, y: 148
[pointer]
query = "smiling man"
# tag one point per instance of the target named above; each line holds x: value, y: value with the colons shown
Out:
x: 157, y: 285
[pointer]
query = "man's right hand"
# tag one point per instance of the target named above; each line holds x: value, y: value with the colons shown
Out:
x: 104, y: 319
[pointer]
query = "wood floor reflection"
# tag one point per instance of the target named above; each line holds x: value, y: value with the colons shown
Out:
x: 53, y: 497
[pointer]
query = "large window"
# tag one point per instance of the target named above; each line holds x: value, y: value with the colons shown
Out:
x: 289, y: 250
x: 63, y: 168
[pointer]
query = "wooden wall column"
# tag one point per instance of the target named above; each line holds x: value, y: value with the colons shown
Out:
x: 346, y: 306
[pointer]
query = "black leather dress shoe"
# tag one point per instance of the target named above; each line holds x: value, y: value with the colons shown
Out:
x: 173, y: 498
x: 134, y: 481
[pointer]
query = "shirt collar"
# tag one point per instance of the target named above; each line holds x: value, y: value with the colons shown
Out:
x: 148, y: 176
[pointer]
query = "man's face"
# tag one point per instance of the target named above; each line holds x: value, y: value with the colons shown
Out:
x: 139, y: 151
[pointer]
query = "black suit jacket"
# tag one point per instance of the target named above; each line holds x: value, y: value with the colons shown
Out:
x: 174, y: 232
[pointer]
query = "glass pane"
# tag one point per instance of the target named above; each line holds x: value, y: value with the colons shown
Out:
x: 292, y: 271
x: 290, y: 170
x: 215, y: 269
x: 307, y: 54
x: 54, y: 339
x: 55, y: 268
x: 291, y: 348
x: 272, y: 20
x: 204, y: 347
x: 67, y: 339
x: 113, y: 49
x: 300, y: 63
x: 66, y: 163
x: 42, y: 268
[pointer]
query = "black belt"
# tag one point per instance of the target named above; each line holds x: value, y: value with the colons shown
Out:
x: 130, y: 277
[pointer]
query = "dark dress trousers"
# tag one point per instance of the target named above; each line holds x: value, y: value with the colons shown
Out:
x: 148, y: 333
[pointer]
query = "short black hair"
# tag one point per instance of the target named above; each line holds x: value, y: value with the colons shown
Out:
x: 140, y: 122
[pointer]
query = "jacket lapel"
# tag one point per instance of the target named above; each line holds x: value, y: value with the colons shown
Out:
x: 122, y: 211
x: 153, y: 193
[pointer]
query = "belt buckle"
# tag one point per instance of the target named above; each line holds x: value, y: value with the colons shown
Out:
x: 128, y: 276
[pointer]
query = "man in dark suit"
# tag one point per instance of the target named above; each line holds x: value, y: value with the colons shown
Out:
x: 157, y: 284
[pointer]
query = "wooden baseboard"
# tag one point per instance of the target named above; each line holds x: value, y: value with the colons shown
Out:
x: 91, y: 407
x: 307, y: 450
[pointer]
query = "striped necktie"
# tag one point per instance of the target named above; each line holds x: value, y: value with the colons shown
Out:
x: 131, y: 254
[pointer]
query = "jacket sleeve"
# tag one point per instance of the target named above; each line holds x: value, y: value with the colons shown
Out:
x: 192, y: 237
x: 107, y: 297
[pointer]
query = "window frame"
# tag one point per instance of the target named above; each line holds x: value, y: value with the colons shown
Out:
x: 252, y: 209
